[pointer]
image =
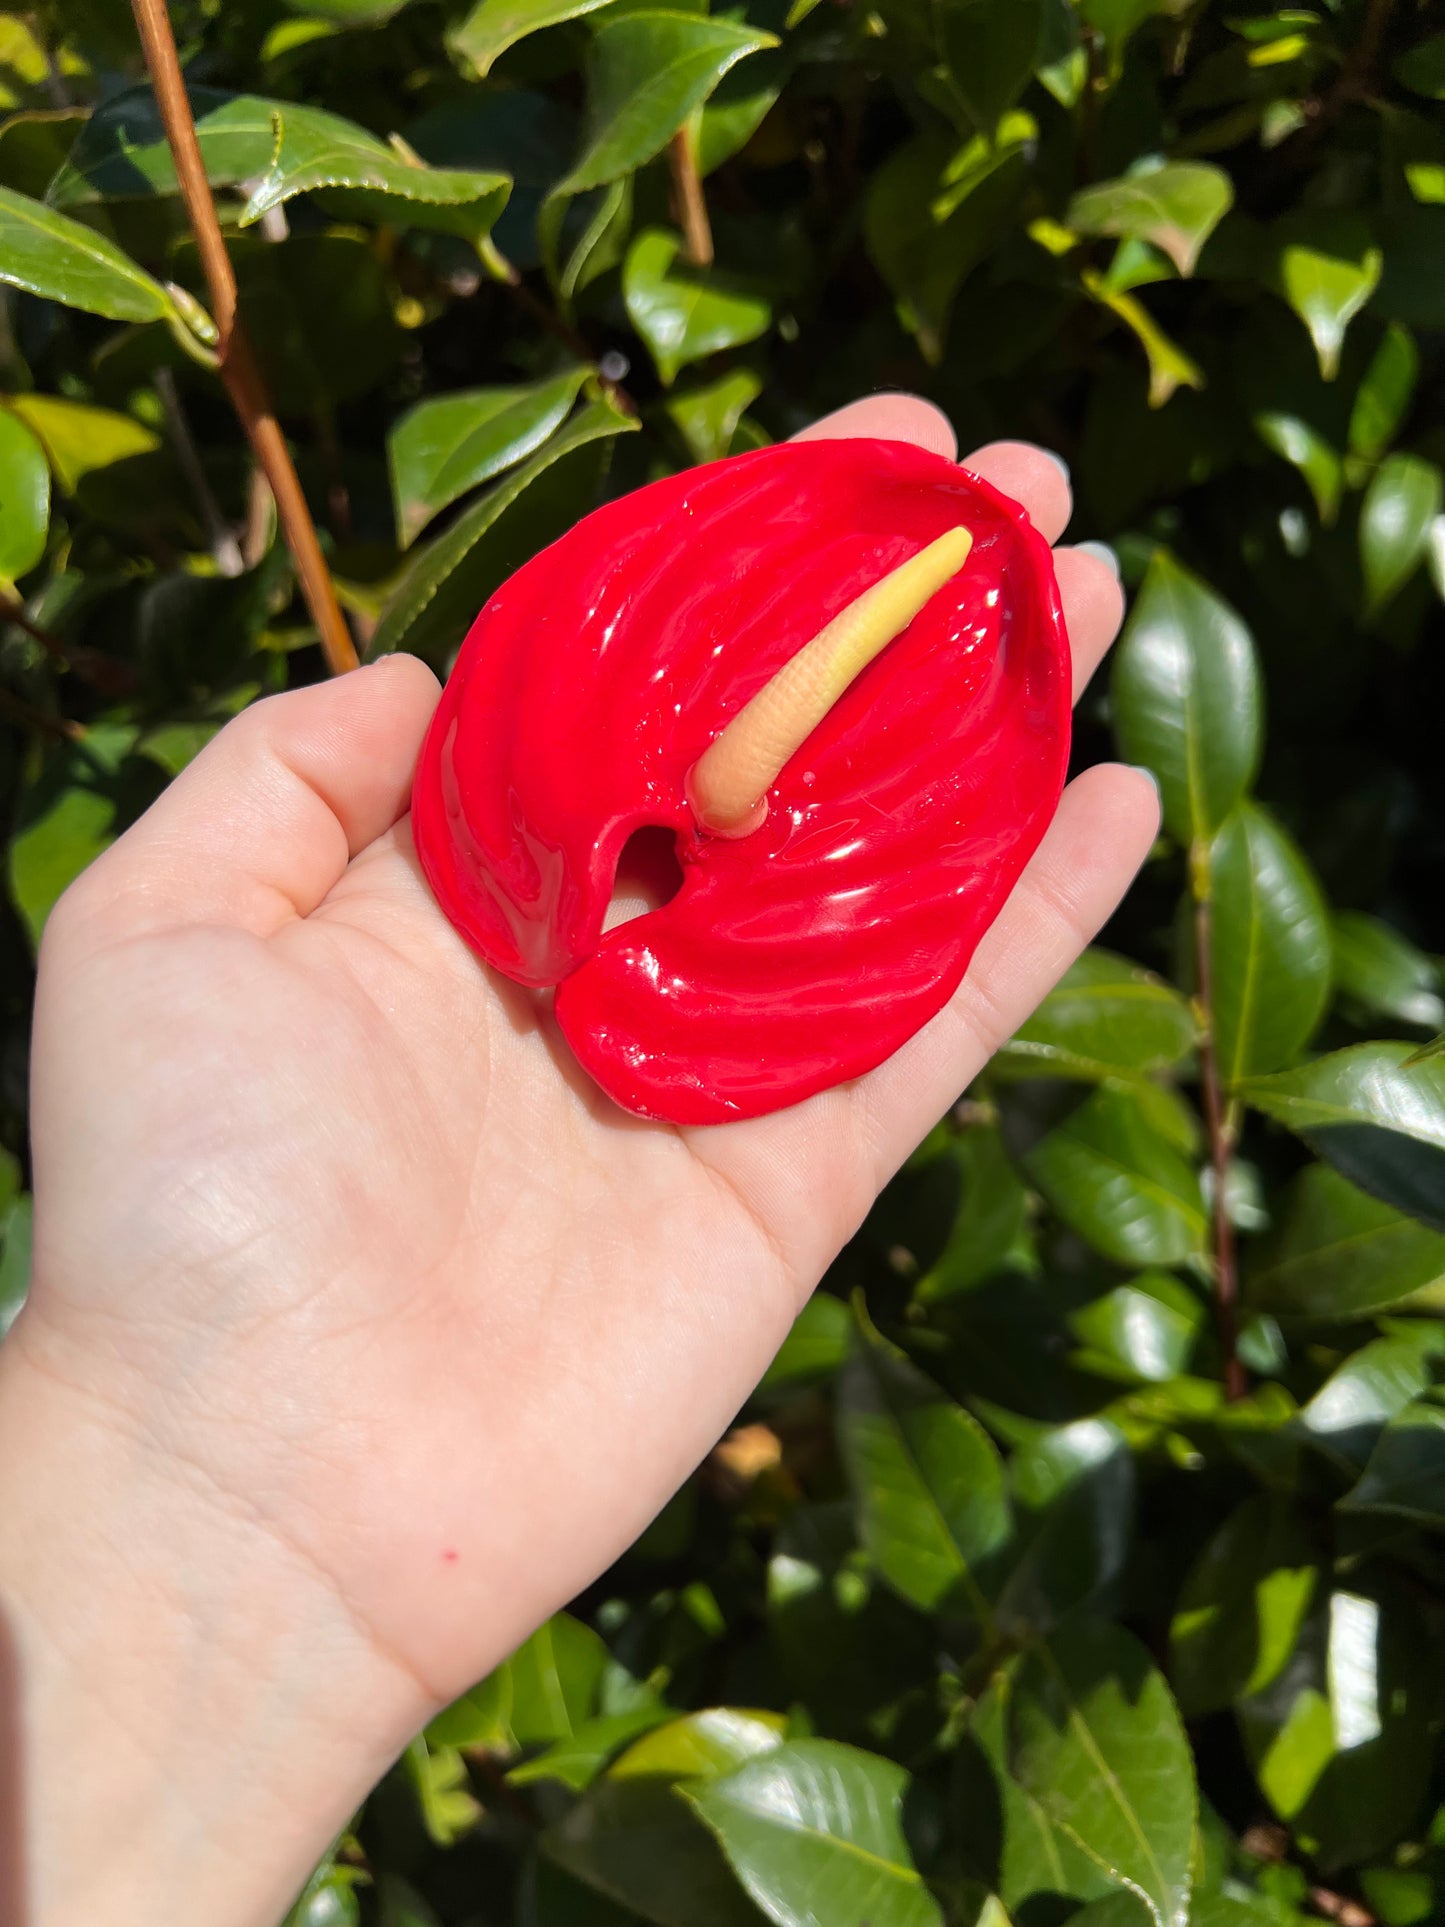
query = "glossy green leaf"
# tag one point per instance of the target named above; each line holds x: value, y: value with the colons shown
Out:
x: 991, y: 1223
x: 584, y: 235
x: 445, y: 446
x: 716, y: 1741
x: 49, y: 254
x: 646, y: 73
x: 51, y: 850
x: 1377, y: 1118
x: 276, y: 149
x: 1401, y: 504
x: 1073, y: 1490
x: 494, y: 25
x: 707, y: 417
x: 1405, y: 1474
x: 1107, y: 1017
x: 685, y: 313
x: 1305, y: 449
x: 450, y: 578
x: 927, y: 1481
x: 1112, y: 1179
x: 1270, y: 948
x: 815, y: 1833
x: 1327, y: 266
x: 576, y: 1761
x: 1384, y: 394
x: 481, y: 1717
x: 79, y: 439
x: 1095, y: 1738
x: 555, y: 1679
x: 738, y: 106
x: 1380, y: 972
x: 24, y: 498
x: 16, y: 1237
x: 1143, y: 1332
x: 1242, y: 1606
x: 1170, y: 368
x: 1175, y: 207
x: 1347, y: 1414
x: 1187, y: 697
x: 1340, y: 1254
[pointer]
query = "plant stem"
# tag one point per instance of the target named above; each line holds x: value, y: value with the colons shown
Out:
x: 28, y: 717
x: 237, y: 364
x: 1221, y: 1143
x: 110, y: 677
x: 691, y: 202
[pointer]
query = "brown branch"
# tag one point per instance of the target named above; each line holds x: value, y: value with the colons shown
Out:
x: 28, y: 717
x: 110, y: 677
x: 237, y: 364
x: 1221, y: 1146
x: 691, y: 202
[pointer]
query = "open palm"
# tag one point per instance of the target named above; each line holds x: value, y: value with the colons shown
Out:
x: 328, y: 1216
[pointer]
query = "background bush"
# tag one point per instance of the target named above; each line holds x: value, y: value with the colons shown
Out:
x: 995, y: 1605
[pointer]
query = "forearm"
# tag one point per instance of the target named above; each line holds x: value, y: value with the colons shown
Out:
x: 187, y: 1713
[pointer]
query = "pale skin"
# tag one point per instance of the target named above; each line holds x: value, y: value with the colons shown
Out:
x: 363, y: 1331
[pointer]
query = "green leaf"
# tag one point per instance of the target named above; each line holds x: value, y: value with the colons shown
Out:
x: 1326, y: 266
x: 1382, y: 399
x: 276, y: 149
x: 1175, y: 206
x: 685, y: 313
x: 24, y: 498
x: 1347, y: 1414
x: 991, y: 1223
x: 1421, y: 68
x: 990, y: 52
x: 1241, y: 1608
x: 1400, y: 505
x: 1381, y: 972
x: 481, y: 1717
x: 1170, y: 368
x: 633, y: 1837
x: 438, y: 1777
x: 1107, y: 1017
x: 814, y: 1348
x: 1341, y: 1254
x: 1187, y: 697
x: 1143, y: 1332
x: 1305, y: 449
x: 1269, y: 946
x: 1405, y: 1475
x: 555, y: 1679
x: 494, y: 25
x: 49, y: 853
x: 15, y: 1260
x: 1377, y: 1119
x: 445, y: 446
x: 79, y: 439
x: 590, y: 229
x: 933, y: 212
x: 815, y: 1833
x: 47, y: 253
x: 928, y: 1484
x: 1073, y: 1488
x: 646, y: 73
x: 1095, y: 1738
x: 576, y: 1761
x: 1114, y: 1181
x: 707, y: 417
x: 739, y: 107
x: 449, y: 580
x: 716, y: 1741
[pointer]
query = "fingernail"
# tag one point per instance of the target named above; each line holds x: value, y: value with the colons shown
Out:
x: 1101, y: 552
x: 1059, y: 463
x: 1144, y: 770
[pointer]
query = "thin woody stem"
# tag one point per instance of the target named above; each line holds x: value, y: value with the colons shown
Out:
x: 237, y: 364
x: 1221, y: 1142
x: 691, y: 202
x: 105, y: 673
x: 27, y: 716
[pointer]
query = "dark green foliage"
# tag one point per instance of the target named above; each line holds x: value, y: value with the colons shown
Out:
x: 998, y: 1610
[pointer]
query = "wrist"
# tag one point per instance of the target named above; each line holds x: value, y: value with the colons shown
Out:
x: 188, y: 1711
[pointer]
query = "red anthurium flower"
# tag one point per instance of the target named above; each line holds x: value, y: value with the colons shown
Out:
x: 818, y: 929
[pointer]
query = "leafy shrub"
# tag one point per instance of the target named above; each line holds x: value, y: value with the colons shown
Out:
x: 1040, y: 1580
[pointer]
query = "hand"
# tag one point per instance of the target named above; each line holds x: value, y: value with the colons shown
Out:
x: 364, y: 1332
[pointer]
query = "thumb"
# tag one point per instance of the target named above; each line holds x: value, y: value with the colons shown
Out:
x: 261, y: 826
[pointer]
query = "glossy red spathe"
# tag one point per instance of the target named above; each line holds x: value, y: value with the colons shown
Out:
x: 808, y: 951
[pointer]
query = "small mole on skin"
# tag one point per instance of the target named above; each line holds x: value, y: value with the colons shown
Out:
x: 449, y: 1554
